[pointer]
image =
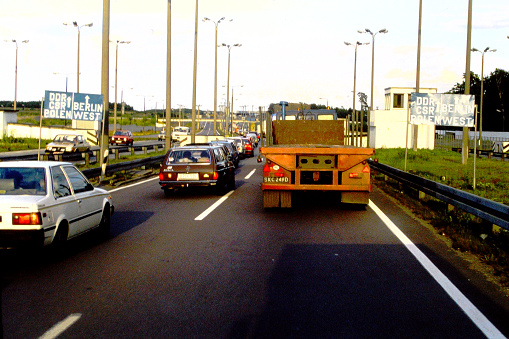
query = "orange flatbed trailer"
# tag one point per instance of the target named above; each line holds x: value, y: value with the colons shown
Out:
x: 313, y: 167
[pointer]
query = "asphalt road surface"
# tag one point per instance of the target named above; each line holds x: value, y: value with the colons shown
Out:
x: 197, y: 265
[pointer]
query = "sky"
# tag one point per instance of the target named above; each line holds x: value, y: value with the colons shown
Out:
x: 292, y: 50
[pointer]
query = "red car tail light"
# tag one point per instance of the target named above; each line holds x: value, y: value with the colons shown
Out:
x: 215, y: 175
x: 26, y: 218
x: 161, y: 176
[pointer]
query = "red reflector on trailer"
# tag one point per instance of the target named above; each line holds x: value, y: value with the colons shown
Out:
x: 266, y: 168
x: 366, y: 169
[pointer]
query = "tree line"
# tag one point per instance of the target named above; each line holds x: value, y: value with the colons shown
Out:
x: 495, y: 100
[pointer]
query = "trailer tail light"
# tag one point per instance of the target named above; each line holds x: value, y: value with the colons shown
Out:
x: 353, y: 175
x: 279, y: 174
x: 26, y: 218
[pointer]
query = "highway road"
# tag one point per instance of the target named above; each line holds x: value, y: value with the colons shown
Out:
x: 198, y: 265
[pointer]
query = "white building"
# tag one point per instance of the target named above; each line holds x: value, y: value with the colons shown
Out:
x: 387, y: 127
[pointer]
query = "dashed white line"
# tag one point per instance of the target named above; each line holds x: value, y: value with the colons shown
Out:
x: 459, y: 298
x: 214, y: 206
x: 250, y: 174
x: 60, y: 327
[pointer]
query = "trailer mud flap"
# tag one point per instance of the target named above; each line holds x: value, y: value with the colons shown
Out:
x: 355, y: 198
x: 275, y: 199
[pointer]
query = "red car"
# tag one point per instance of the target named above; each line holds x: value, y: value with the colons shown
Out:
x: 122, y: 137
x: 248, y: 147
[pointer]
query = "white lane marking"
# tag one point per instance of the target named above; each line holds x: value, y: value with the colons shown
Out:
x: 459, y: 298
x: 60, y: 327
x: 214, y: 206
x: 135, y: 184
x: 250, y: 174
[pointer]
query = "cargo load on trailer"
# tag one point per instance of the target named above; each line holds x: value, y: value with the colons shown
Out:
x: 311, y: 155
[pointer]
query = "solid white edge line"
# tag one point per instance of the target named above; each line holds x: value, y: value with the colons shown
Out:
x: 214, y: 206
x: 250, y: 174
x: 60, y: 327
x: 459, y: 298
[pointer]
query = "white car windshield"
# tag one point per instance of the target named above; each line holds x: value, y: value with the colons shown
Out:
x: 65, y: 138
x: 22, y: 181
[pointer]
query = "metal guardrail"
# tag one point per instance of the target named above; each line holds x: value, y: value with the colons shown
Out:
x: 32, y: 155
x: 483, y: 208
x: 122, y: 166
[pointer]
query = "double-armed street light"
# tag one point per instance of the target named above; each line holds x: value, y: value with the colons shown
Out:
x: 228, y: 113
x: 487, y: 49
x: 116, y: 71
x: 75, y: 24
x: 383, y: 31
x: 216, y: 24
x: 16, y: 70
x: 355, y: 116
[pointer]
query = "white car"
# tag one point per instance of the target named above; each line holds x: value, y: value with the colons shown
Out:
x: 67, y: 143
x: 46, y: 203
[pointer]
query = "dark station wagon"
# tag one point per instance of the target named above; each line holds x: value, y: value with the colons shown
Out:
x: 195, y: 165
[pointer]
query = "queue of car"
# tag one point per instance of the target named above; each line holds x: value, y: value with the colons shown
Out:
x: 209, y: 164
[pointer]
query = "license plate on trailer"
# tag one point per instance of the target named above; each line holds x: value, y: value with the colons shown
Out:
x: 187, y: 176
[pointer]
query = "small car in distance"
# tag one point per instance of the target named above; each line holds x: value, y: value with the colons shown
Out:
x: 122, y: 137
x: 68, y: 143
x: 248, y: 147
x: 196, y: 165
x: 47, y: 202
x: 161, y: 136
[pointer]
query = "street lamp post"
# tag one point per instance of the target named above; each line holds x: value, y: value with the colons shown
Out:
x: 326, y: 100
x: 195, y: 69
x: 16, y: 71
x: 228, y: 113
x: 123, y: 105
x: 354, y: 113
x: 216, y: 24
x: 116, y: 71
x: 231, y: 115
x: 487, y: 49
x: 372, y: 70
x: 75, y: 24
